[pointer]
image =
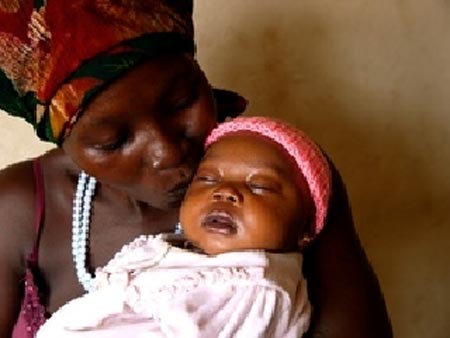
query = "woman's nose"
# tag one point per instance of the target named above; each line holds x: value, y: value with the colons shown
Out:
x: 165, y: 150
x: 227, y: 193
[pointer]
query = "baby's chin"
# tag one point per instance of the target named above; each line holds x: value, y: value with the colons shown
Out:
x: 211, y: 249
x: 215, y: 252
x: 214, y: 248
x: 220, y: 248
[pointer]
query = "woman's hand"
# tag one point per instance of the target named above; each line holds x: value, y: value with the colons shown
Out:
x: 344, y: 290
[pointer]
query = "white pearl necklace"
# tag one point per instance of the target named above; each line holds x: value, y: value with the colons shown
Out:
x: 80, y: 228
x: 81, y: 217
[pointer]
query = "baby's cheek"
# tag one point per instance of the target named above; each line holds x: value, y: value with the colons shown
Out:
x: 189, y: 211
x: 269, y: 229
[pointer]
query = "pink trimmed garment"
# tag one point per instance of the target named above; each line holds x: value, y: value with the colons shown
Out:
x: 32, y: 313
x: 153, y: 289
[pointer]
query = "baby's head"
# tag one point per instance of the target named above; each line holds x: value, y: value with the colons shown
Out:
x: 262, y: 184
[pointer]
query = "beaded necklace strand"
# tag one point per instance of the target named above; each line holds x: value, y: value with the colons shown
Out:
x: 81, y: 217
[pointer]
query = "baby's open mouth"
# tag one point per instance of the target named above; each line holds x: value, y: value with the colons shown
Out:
x: 220, y: 222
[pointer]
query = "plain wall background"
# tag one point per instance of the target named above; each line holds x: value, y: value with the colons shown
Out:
x: 370, y: 81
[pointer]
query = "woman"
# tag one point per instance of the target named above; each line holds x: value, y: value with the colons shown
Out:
x: 131, y: 107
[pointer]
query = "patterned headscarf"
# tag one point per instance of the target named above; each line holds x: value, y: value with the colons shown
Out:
x: 55, y: 55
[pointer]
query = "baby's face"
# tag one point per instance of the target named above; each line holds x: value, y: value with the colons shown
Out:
x: 245, y: 195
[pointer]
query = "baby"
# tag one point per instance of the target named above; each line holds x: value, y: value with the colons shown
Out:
x: 260, y: 194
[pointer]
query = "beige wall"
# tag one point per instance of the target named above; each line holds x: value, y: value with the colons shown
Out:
x: 17, y: 141
x: 369, y: 80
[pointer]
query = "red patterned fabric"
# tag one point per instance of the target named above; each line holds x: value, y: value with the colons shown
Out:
x: 43, y: 43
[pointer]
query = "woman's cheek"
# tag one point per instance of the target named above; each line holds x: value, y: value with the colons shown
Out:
x: 111, y: 166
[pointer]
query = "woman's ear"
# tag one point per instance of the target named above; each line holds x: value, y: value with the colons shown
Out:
x: 229, y: 104
x: 304, y: 240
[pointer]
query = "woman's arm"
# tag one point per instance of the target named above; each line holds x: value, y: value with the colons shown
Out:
x: 344, y: 290
x: 9, y: 294
x: 16, y: 234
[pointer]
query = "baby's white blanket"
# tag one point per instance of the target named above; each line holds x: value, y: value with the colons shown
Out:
x: 153, y: 289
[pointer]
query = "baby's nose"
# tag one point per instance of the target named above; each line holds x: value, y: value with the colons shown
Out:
x: 227, y: 194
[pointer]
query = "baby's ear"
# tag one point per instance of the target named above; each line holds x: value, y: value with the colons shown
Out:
x: 305, y: 240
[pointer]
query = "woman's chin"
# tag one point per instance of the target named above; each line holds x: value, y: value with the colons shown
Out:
x: 164, y: 203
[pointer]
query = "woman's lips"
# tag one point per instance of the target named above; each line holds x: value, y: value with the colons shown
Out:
x: 220, y: 222
x: 179, y: 190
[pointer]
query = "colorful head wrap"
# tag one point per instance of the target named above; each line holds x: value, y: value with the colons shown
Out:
x: 310, y: 160
x: 56, y: 55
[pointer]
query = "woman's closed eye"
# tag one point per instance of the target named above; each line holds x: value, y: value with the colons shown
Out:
x: 184, y: 102
x: 112, y: 143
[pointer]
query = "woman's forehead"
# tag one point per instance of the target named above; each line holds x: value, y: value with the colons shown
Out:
x: 145, y: 84
x: 158, y: 72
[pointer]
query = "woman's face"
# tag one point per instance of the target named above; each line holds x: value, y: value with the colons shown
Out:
x: 246, y: 194
x: 144, y: 134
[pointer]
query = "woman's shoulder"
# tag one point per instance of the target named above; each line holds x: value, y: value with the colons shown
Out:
x: 18, y: 197
x: 16, y: 212
x: 18, y: 182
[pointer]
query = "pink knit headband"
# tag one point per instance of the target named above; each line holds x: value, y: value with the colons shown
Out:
x: 307, y: 155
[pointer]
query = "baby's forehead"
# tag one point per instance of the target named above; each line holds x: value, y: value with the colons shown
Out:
x: 246, y: 141
x: 251, y: 149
